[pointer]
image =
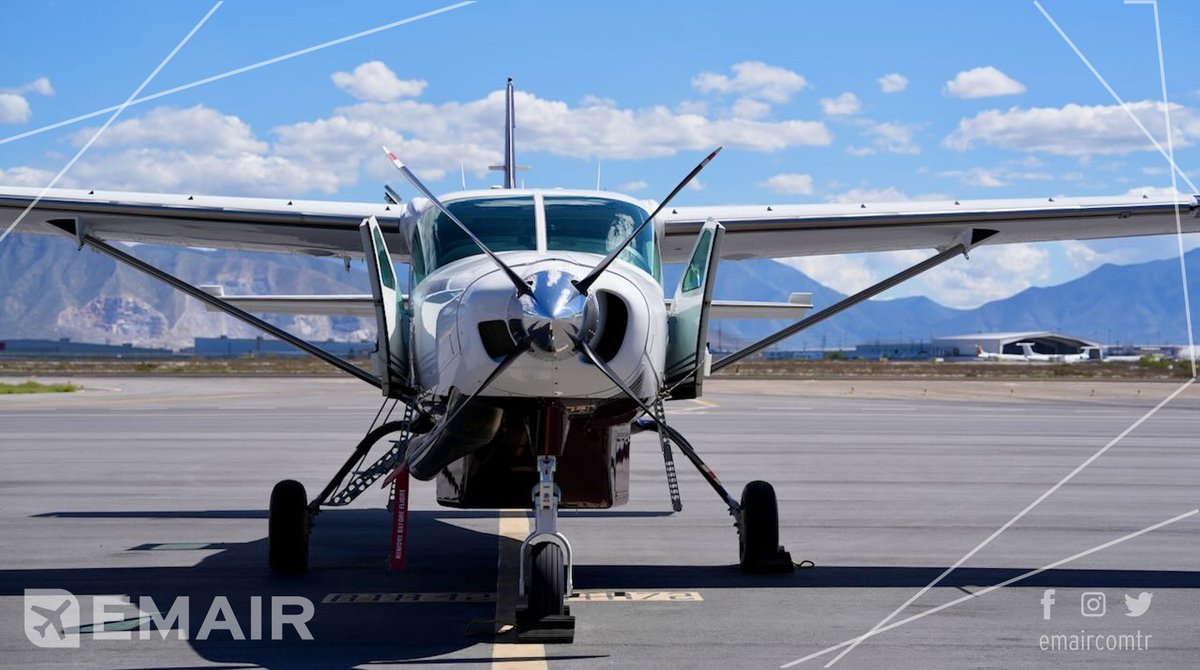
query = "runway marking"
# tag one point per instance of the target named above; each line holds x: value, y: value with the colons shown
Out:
x: 488, y: 597
x: 514, y: 527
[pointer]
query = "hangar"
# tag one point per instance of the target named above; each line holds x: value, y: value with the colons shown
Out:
x: 1044, y: 342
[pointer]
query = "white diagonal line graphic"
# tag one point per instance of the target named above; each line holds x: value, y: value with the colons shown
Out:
x: 120, y: 108
x: 1008, y: 524
x: 240, y: 70
x: 1007, y: 582
x: 1187, y: 303
x: 1103, y: 82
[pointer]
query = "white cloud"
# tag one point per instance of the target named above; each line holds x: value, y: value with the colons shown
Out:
x: 893, y: 137
x: 1002, y: 175
x: 200, y: 149
x: 634, y: 186
x: 197, y: 127
x: 982, y: 82
x: 197, y: 150
x: 888, y: 194
x: 863, y: 195
x: 470, y: 129
x: 1084, y: 258
x: 376, y: 82
x: 993, y: 272
x: 14, y: 108
x: 26, y: 176
x: 846, y: 273
x: 790, y: 182
x: 1153, y: 191
x: 860, y: 151
x: 696, y: 185
x: 893, y: 82
x: 1074, y: 130
x: 845, y: 104
x: 753, y: 78
x: 41, y: 86
x: 749, y: 108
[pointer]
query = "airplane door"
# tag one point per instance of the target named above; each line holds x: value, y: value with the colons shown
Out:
x: 389, y: 316
x: 687, y: 324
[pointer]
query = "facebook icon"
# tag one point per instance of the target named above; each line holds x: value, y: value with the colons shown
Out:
x: 1047, y: 601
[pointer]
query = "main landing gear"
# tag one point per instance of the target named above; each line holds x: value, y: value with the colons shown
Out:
x: 756, y: 515
x: 292, y: 515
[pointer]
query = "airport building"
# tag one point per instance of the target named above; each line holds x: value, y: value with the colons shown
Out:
x: 229, y: 347
x: 65, y: 348
x: 1044, y: 342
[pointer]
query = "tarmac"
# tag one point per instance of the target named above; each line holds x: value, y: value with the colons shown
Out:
x: 158, y: 487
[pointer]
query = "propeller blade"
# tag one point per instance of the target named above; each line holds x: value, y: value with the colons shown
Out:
x: 676, y: 436
x: 520, y: 348
x: 584, y: 284
x: 587, y: 350
x: 522, y: 287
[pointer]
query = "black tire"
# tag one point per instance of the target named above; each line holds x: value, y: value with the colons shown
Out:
x: 287, y: 535
x: 547, y: 581
x: 758, y: 532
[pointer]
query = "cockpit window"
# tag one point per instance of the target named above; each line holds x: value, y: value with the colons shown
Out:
x: 598, y: 225
x: 502, y: 223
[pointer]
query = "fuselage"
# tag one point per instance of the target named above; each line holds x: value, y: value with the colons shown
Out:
x: 465, y: 314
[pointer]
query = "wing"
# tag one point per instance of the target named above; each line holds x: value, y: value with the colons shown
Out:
x: 780, y: 231
x: 312, y: 227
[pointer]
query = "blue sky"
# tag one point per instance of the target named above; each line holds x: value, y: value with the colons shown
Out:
x: 983, y: 100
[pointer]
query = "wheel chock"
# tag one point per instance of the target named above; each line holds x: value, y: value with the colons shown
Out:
x: 553, y: 629
x: 776, y: 564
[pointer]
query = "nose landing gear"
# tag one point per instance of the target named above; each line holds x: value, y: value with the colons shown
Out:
x: 548, y: 581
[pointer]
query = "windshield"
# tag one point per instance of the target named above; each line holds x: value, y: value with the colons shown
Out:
x: 598, y: 225
x: 502, y: 223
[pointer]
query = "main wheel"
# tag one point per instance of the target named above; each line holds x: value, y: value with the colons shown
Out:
x: 287, y: 536
x: 547, y: 581
x: 758, y: 531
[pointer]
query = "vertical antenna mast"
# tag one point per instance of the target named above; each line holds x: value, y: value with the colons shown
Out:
x: 510, y: 167
x: 510, y: 151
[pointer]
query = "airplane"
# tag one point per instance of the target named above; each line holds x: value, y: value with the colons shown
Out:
x: 1086, y: 355
x: 536, y: 336
x: 1027, y: 355
x: 52, y: 618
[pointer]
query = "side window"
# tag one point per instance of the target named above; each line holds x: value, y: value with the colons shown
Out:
x: 417, y: 264
x: 693, y: 275
x: 387, y: 273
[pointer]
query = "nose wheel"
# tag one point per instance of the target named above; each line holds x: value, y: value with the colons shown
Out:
x: 547, y: 582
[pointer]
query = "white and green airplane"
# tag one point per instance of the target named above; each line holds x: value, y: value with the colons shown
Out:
x: 536, y: 336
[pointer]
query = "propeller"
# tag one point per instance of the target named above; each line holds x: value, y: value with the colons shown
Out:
x: 584, y: 284
x: 521, y: 286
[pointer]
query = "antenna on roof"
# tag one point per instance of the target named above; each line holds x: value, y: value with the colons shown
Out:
x: 510, y: 166
x: 597, y: 174
x: 462, y: 168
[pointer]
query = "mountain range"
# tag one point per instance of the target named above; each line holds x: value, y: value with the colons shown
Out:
x: 49, y: 289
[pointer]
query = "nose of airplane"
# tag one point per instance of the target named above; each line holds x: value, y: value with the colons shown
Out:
x: 553, y: 314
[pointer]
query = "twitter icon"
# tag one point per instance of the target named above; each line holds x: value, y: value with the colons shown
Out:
x: 1138, y: 606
